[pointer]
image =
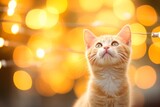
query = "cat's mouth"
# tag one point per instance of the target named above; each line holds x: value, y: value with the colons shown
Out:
x: 106, y: 53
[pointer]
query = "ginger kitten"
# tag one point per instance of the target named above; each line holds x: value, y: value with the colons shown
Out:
x: 108, y: 58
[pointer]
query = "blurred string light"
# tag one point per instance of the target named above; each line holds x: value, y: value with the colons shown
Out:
x: 2, y: 41
x: 15, y: 28
x: 3, y: 63
x: 11, y: 7
x: 40, y: 53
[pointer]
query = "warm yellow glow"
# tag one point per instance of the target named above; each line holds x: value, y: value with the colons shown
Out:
x: 57, y: 6
x: 10, y: 12
x: 138, y: 39
x: 109, y: 3
x: 131, y: 74
x: 76, y: 65
x: 7, y: 26
x: 22, y: 80
x: 2, y: 42
x: 91, y: 5
x: 39, y: 41
x: 124, y: 9
x: 12, y: 4
x: 40, y: 53
x: 43, y: 88
x: 107, y: 22
x: 80, y: 86
x: 60, y: 83
x: 156, y: 29
x: 145, y: 77
x: 138, y: 51
x: 154, y: 52
x: 22, y: 56
x: 52, y: 19
x: 146, y: 15
x: 36, y: 18
x: 15, y: 28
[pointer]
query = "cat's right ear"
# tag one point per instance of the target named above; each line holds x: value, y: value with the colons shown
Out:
x: 89, y: 38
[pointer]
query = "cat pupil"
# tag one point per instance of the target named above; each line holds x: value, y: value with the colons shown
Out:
x: 114, y: 43
x: 98, y: 45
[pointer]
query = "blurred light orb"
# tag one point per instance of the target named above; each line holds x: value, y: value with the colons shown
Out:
x: 145, y: 77
x: 36, y: 18
x: 22, y: 56
x: 43, y: 88
x: 156, y: 29
x: 12, y: 4
x: 2, y: 41
x: 22, y: 80
x: 80, y: 86
x: 57, y: 6
x: 10, y: 12
x: 60, y: 83
x: 91, y: 5
x: 146, y: 15
x: 106, y: 17
x: 40, y: 53
x: 15, y: 28
x: 138, y: 51
x: 123, y: 9
x: 154, y: 52
x: 138, y: 39
x: 52, y: 19
x: 7, y: 26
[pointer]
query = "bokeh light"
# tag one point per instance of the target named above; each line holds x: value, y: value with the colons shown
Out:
x: 7, y: 26
x: 44, y: 88
x: 40, y: 53
x: 22, y: 56
x: 107, y: 22
x: 145, y: 77
x: 15, y: 28
x: 2, y: 42
x: 146, y: 15
x: 81, y: 86
x: 34, y: 19
x: 154, y: 53
x: 22, y: 80
x: 138, y: 39
x: 57, y: 6
x: 138, y: 51
x: 124, y: 9
x: 91, y: 5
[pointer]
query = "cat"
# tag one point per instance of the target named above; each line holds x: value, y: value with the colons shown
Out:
x: 108, y: 57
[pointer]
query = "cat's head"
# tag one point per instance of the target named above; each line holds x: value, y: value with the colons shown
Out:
x: 108, y: 49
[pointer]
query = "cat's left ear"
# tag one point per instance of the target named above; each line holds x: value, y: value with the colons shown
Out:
x: 89, y: 38
x: 125, y: 34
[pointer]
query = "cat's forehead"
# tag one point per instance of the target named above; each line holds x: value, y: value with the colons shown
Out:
x: 106, y: 38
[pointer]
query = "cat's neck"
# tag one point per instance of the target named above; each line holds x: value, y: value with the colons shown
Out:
x: 109, y: 80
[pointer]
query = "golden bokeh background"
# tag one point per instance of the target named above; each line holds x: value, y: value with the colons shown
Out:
x: 42, y: 48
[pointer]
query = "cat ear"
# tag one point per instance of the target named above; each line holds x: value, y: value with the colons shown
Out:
x: 125, y: 34
x: 89, y: 38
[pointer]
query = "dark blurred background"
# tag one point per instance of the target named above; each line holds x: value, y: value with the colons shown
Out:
x: 42, y: 62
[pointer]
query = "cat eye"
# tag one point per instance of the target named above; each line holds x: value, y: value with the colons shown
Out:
x: 98, y: 45
x: 114, y: 43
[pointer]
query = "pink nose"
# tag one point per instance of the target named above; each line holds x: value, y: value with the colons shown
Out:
x: 106, y: 48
